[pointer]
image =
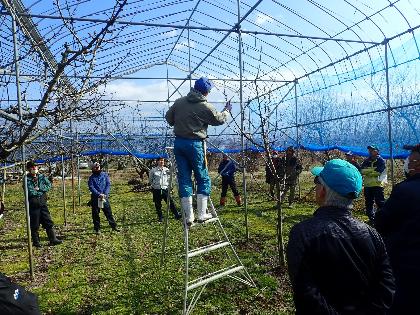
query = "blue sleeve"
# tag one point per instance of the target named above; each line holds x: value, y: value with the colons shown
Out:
x: 92, y: 187
x: 236, y: 167
x: 380, y: 165
x: 231, y: 168
x: 366, y: 163
x: 107, y: 185
x: 220, y: 168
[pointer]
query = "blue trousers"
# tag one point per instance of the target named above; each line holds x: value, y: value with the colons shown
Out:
x: 95, y: 213
x: 190, y: 156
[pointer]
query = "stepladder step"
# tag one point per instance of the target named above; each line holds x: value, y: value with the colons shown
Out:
x: 213, y: 276
x: 207, y: 248
x: 214, y: 219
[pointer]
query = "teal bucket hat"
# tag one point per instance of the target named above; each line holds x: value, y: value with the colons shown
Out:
x: 341, y: 176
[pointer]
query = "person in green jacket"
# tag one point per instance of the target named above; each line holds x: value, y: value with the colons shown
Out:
x: 38, y: 186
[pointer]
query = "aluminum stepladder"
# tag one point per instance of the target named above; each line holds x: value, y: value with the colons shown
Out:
x: 237, y: 271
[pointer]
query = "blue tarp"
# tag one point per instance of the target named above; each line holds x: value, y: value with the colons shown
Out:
x: 314, y: 148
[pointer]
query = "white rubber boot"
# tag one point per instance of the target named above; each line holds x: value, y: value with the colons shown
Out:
x: 202, y: 208
x: 186, y: 205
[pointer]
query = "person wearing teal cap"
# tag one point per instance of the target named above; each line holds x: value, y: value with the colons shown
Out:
x: 338, y: 264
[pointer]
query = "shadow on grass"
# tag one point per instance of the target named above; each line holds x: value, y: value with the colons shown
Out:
x: 20, y: 245
x: 293, y: 219
x: 132, y: 273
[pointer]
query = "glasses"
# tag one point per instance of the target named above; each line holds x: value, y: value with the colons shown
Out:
x: 317, y: 181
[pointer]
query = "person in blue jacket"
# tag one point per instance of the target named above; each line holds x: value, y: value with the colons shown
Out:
x: 99, y: 186
x: 227, y: 169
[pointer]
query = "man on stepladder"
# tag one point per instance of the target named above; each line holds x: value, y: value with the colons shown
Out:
x: 190, y: 116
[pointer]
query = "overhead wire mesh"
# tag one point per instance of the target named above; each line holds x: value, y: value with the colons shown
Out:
x: 332, y: 50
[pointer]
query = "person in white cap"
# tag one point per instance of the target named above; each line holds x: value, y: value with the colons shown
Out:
x: 159, y: 180
x: 338, y: 264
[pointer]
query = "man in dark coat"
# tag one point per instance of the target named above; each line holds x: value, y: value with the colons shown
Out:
x: 338, y: 264
x: 289, y: 170
x: 399, y: 223
x: 270, y: 177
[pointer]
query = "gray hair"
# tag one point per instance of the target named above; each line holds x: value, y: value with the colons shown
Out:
x: 334, y: 199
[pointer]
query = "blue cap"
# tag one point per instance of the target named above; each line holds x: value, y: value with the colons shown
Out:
x: 203, y: 85
x: 341, y: 176
x: 373, y: 147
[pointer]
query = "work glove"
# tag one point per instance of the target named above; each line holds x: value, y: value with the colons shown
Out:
x: 228, y: 106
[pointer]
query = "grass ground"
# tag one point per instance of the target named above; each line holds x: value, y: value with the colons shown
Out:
x: 120, y: 273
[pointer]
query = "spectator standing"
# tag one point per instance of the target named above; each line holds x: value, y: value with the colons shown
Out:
x: 337, y: 264
x: 289, y: 169
x: 374, y: 174
x: 399, y: 223
x: 227, y: 169
x: 351, y: 158
x: 159, y: 180
x: 190, y: 117
x: 38, y: 186
x: 270, y: 178
x: 100, y: 186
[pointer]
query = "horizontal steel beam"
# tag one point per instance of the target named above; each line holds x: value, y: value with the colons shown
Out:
x: 5, y: 72
x: 202, y: 28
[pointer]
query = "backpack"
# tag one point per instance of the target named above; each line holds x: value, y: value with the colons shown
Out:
x: 15, y: 300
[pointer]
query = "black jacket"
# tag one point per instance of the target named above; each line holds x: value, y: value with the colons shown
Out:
x: 269, y: 176
x: 399, y: 223
x: 338, y: 265
x: 15, y: 300
x: 290, y: 168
